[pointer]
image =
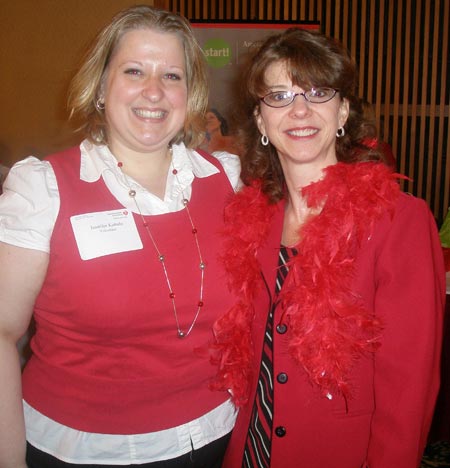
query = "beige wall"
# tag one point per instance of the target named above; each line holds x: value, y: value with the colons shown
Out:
x: 41, y: 42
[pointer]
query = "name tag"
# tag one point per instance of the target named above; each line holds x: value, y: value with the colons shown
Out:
x: 105, y: 233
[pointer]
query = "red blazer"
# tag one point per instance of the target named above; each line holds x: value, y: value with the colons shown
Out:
x: 400, y: 277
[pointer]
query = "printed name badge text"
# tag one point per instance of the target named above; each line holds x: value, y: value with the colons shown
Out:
x: 105, y: 233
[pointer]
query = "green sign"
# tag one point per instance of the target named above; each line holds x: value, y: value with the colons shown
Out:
x: 217, y: 53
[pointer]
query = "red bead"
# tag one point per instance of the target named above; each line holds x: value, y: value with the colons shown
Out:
x: 145, y: 224
x: 172, y: 295
x: 119, y: 164
x: 200, y: 303
x: 194, y: 231
x: 174, y: 172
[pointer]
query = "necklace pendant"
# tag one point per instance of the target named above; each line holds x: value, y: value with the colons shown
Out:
x: 181, y: 334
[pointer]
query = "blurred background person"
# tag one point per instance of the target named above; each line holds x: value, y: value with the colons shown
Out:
x: 3, y: 173
x: 217, y: 134
x: 371, y: 141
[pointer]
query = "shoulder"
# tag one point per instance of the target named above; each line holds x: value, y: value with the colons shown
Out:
x: 28, y: 169
x: 413, y: 212
x: 409, y: 226
x: 223, y: 157
x: 228, y: 162
x: 64, y: 157
x: 31, y: 190
x: 381, y: 187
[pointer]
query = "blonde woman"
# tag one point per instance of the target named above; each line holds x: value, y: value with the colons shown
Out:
x: 114, y: 254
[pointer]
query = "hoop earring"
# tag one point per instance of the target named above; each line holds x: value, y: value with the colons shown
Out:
x: 264, y: 140
x: 340, y: 132
x: 100, y: 105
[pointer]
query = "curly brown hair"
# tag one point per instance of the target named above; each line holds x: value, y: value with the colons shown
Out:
x: 313, y: 60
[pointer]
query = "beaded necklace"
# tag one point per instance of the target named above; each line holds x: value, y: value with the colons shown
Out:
x: 161, y: 256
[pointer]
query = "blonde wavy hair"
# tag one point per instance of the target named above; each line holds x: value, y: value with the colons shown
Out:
x: 85, y: 87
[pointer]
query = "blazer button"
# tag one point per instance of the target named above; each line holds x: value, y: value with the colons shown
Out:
x: 281, y: 328
x: 280, y: 431
x: 282, y: 378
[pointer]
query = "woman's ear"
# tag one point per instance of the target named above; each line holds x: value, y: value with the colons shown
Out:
x: 259, y: 121
x: 102, y: 86
x: 344, y: 109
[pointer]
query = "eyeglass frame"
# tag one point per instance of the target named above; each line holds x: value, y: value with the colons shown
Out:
x: 294, y: 95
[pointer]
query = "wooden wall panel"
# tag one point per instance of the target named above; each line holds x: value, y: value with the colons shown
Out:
x: 402, y: 49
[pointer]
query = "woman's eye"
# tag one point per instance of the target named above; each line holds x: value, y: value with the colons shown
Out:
x: 173, y: 76
x: 319, y: 92
x: 279, y: 96
x: 132, y: 71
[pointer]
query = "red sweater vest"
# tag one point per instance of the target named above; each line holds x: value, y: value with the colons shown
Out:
x: 106, y: 356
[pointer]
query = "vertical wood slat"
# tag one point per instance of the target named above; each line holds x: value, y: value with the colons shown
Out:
x: 394, y: 134
x: 397, y: 90
x: 391, y: 42
x: 337, y: 29
x: 405, y: 83
x: 353, y: 26
x: 388, y: 71
x: 415, y: 77
x: 369, y: 78
x: 262, y: 8
x: 327, y: 21
x: 444, y: 132
x: 320, y: 8
x: 288, y: 10
x: 345, y: 24
x: 382, y: 80
x: 422, y: 69
x: 362, y: 54
x: 426, y: 115
x: 371, y: 58
x: 302, y: 11
x: 434, y: 24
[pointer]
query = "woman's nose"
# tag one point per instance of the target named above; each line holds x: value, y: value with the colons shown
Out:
x: 152, y: 89
x: 300, y: 105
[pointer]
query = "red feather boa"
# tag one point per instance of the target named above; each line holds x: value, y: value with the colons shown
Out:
x: 329, y: 328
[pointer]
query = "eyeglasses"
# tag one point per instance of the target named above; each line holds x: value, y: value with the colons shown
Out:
x: 284, y: 98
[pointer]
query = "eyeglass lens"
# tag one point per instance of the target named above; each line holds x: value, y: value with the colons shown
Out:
x: 284, y: 98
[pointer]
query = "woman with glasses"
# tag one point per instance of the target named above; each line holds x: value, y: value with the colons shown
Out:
x: 332, y: 350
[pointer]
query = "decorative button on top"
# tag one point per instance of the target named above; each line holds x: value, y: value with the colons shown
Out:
x: 280, y: 431
x: 282, y: 378
x: 281, y: 328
